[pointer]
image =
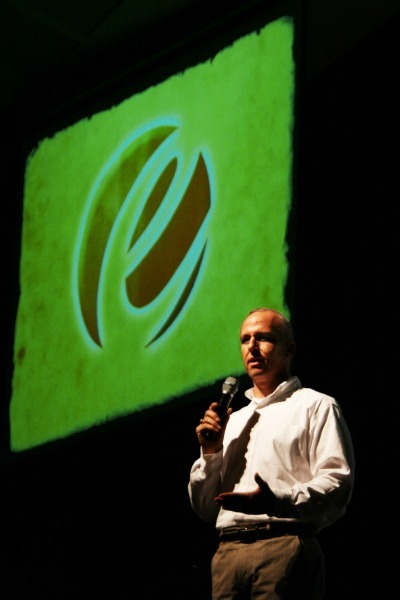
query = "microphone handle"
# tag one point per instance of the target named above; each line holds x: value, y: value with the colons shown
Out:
x: 221, y: 411
x: 223, y: 406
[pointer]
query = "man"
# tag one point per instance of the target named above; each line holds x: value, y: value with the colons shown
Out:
x: 272, y: 474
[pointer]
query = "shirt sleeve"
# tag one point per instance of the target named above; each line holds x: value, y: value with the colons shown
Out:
x: 324, y: 497
x: 204, y: 485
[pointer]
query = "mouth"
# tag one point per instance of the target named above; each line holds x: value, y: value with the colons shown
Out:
x: 256, y: 361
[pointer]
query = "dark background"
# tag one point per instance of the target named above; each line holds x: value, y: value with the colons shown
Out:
x: 106, y: 513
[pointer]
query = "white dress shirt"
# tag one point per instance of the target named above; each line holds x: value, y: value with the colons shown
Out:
x: 296, y: 439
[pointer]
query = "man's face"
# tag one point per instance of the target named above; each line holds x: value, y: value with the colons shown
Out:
x: 264, y: 348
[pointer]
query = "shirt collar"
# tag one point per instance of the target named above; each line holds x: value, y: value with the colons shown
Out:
x: 280, y: 393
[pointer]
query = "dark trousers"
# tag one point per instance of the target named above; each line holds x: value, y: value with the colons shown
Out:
x: 281, y: 568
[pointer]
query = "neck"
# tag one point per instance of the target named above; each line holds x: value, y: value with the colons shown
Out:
x: 265, y: 385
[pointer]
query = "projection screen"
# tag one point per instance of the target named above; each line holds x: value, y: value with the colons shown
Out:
x: 149, y: 230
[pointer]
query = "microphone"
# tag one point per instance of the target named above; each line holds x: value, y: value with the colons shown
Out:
x: 229, y: 389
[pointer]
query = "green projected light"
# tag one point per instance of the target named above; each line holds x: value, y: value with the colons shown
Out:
x: 149, y: 231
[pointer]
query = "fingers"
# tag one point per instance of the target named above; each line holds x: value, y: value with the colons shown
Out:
x: 210, y: 416
x: 207, y: 423
x: 209, y: 428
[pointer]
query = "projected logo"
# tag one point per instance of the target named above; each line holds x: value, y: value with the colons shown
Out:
x: 149, y: 207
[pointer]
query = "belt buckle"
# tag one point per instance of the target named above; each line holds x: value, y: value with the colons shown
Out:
x: 251, y: 532
x: 247, y: 534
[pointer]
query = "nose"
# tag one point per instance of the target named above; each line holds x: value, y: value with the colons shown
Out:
x: 253, y: 346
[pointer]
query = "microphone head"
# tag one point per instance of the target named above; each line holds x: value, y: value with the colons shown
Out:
x: 230, y: 386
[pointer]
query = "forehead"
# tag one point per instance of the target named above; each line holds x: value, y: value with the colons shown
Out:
x: 259, y: 321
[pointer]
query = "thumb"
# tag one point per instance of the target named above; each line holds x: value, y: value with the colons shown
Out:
x: 260, y: 482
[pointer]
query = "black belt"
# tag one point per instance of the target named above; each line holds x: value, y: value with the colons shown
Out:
x: 252, y: 532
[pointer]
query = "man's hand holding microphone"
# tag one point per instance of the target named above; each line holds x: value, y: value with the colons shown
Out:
x: 212, y: 426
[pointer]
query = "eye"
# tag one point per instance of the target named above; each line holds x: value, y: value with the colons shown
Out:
x: 265, y: 337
